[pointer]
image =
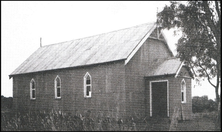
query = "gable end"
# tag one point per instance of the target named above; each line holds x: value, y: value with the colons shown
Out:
x: 139, y: 45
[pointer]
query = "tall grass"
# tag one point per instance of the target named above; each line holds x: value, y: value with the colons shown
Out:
x: 59, y: 121
x: 41, y: 121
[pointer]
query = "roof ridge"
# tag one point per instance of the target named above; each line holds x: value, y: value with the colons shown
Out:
x: 138, y: 25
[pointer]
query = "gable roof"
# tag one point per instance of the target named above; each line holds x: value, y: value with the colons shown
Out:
x: 170, y: 66
x: 106, y: 47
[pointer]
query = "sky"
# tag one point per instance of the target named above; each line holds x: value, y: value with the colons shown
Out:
x: 24, y: 22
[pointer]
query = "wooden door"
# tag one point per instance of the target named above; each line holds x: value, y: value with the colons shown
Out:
x: 159, y: 99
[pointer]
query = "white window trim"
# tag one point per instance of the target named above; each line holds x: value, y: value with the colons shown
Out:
x: 85, y: 85
x: 168, y: 108
x: 55, y: 82
x: 184, y: 91
x: 32, y: 80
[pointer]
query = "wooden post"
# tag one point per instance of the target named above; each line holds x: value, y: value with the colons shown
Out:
x: 174, y: 120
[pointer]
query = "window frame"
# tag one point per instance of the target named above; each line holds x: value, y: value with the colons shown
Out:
x: 32, y: 89
x: 85, y: 85
x: 183, y: 91
x: 56, y: 87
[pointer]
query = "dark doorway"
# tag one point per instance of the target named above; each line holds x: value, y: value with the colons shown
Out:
x: 159, y: 99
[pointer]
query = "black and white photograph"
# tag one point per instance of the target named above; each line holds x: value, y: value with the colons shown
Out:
x: 110, y: 66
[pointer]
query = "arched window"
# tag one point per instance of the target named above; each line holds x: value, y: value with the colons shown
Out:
x: 183, y: 91
x: 87, y: 85
x: 32, y: 89
x: 57, y: 87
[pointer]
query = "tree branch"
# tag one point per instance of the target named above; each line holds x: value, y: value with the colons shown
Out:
x: 218, y: 11
x: 219, y: 39
x: 192, y: 68
x: 208, y: 77
x: 209, y: 20
x: 205, y: 27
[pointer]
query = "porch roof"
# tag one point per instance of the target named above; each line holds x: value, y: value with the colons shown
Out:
x: 168, y: 67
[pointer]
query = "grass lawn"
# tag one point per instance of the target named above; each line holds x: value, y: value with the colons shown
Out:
x: 200, y: 122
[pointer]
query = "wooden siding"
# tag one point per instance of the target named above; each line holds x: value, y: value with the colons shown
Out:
x: 108, y: 90
x: 142, y: 62
x: 184, y: 73
x: 186, y: 107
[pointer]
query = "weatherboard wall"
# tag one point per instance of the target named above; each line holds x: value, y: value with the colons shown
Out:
x: 108, y: 90
x: 141, y: 63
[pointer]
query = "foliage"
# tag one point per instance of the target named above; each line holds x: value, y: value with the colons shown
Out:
x: 60, y: 121
x: 6, y: 103
x: 202, y: 104
x: 200, y: 44
x: 39, y: 121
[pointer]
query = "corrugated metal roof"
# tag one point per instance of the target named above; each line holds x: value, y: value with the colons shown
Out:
x: 169, y: 66
x: 106, y: 47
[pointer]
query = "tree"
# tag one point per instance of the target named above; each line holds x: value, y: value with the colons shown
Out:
x: 6, y: 102
x: 201, y: 104
x: 200, y: 44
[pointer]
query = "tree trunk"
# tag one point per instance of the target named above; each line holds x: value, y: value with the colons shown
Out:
x: 217, y: 95
x: 218, y: 120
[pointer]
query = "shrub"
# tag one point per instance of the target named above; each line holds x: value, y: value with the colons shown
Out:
x: 6, y: 102
x: 201, y: 104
